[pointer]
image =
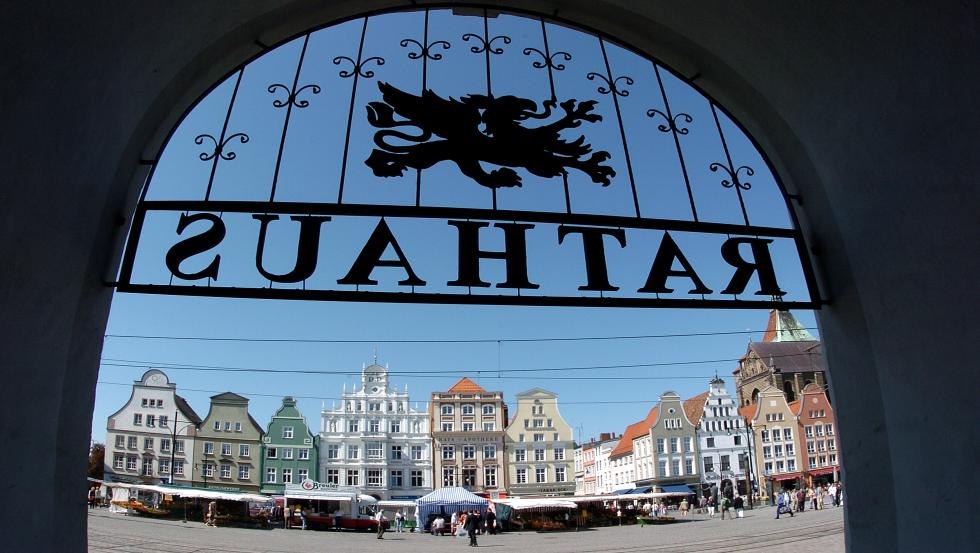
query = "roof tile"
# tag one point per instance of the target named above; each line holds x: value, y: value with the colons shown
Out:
x: 466, y: 386
x: 632, y: 432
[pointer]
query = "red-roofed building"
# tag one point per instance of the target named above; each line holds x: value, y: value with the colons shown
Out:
x: 775, y: 431
x: 468, y: 425
x: 818, y: 434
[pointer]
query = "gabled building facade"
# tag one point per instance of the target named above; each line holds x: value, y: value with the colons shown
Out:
x: 290, y: 452
x: 468, y: 438
x: 818, y: 436
x: 539, y: 447
x: 674, y: 443
x: 775, y: 433
x: 587, y: 464
x: 149, y: 440
x: 228, y: 449
x: 375, y: 441
x: 723, y: 441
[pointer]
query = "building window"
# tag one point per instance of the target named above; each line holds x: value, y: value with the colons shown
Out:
x: 765, y: 435
x: 417, y: 480
x: 559, y: 454
x: 225, y: 449
x: 333, y: 451
x: 522, y: 476
x: 467, y: 409
x: 353, y: 452
x: 207, y: 470
x: 374, y: 406
x: 767, y: 467
x: 539, y: 437
x: 487, y: 410
x: 270, y: 475
x: 813, y: 462
x: 448, y: 452
x: 660, y: 445
x: 304, y: 474
x: 144, y: 402
x: 829, y: 428
x: 787, y: 434
x: 738, y: 440
x: 833, y: 459
x: 662, y: 465
x: 244, y: 472
x: 287, y: 453
x: 559, y: 474
x: 675, y: 445
x: 118, y: 460
x: 151, y: 420
x: 138, y: 419
x: 130, y: 462
x: 818, y: 429
x: 148, y: 443
x: 709, y: 464
x: 287, y: 476
x: 789, y: 449
x: 447, y: 409
x: 209, y: 448
x: 469, y: 452
x: 165, y: 445
x: 395, y: 479
x: 675, y: 466
x: 120, y: 442
x: 490, y: 477
x: 711, y: 442
x: 831, y: 445
x: 179, y: 446
x: 396, y: 452
x: 396, y: 426
x: 243, y: 450
x: 447, y: 427
x: 538, y: 454
x: 489, y: 451
x: 791, y: 465
x: 688, y: 444
x: 689, y: 466
x: 287, y: 432
x: 238, y: 427
x: 726, y: 463
x: 520, y: 437
x: 333, y: 476
x: 538, y: 423
x: 225, y: 471
x: 778, y: 450
x: 178, y: 467
x: 352, y: 426
x: 353, y: 478
x: 520, y: 455
x: 489, y: 426
x: 448, y: 476
x: 228, y: 426
x: 375, y: 450
x: 767, y: 452
x: 540, y: 475
x: 271, y: 453
x: 374, y: 425
x: 417, y: 453
x: 217, y: 426
x: 164, y: 466
x: 808, y: 431
x: 468, y: 426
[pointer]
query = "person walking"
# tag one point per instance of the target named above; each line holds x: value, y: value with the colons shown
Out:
x: 454, y: 524
x: 782, y: 504
x: 472, y: 524
x: 490, y: 521
x: 800, y: 500
x: 685, y: 507
x: 399, y: 521
x: 811, y: 496
x: 739, y: 503
x: 380, y: 517
x: 212, y: 515
x: 839, y: 496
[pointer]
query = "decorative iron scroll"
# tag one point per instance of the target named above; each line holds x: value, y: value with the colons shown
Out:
x: 657, y: 231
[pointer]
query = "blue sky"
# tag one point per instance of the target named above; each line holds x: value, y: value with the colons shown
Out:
x: 310, y: 169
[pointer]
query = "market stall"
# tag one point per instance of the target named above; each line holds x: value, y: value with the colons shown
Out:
x: 544, y: 513
x: 446, y: 501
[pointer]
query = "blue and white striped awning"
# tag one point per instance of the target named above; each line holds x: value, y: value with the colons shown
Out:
x: 447, y: 501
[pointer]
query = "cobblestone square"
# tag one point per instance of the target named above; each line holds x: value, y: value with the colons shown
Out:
x: 812, y: 531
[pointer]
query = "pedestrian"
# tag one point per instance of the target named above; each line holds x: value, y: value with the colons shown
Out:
x: 338, y: 515
x: 399, y: 521
x: 91, y: 498
x: 811, y: 496
x: 832, y: 492
x: 454, y: 524
x: 711, y: 507
x: 472, y: 524
x: 685, y: 507
x: 461, y: 524
x: 723, y: 507
x: 490, y: 521
x: 782, y: 504
x: 739, y: 503
x: 302, y: 518
x: 212, y: 516
x: 800, y: 500
x: 437, y: 525
x: 380, y: 517
x: 840, y: 495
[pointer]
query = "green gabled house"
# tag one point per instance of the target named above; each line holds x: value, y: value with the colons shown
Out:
x: 290, y: 452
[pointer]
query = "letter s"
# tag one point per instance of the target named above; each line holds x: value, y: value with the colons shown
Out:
x: 197, y: 244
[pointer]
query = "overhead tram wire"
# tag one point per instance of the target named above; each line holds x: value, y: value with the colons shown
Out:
x: 324, y: 398
x: 110, y: 362
x: 433, y: 340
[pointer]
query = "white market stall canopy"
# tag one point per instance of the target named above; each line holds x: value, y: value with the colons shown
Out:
x: 448, y: 500
x: 191, y: 493
x: 625, y: 497
x: 536, y: 504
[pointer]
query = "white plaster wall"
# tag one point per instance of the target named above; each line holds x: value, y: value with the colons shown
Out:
x: 868, y: 110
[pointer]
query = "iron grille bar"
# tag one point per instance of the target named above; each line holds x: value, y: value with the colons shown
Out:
x: 737, y: 184
x: 468, y: 299
x: 615, y: 92
x: 432, y: 212
x: 672, y: 125
x: 355, y: 73
x: 290, y: 102
x: 224, y: 130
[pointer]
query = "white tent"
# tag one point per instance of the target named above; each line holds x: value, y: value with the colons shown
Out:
x: 536, y: 503
x: 448, y: 500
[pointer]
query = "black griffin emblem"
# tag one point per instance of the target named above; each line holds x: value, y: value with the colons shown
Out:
x: 477, y: 128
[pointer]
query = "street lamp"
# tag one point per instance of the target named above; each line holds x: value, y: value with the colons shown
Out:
x: 749, y: 460
x: 173, y: 445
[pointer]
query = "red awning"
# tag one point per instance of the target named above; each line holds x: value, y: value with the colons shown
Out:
x: 786, y: 476
x: 822, y: 471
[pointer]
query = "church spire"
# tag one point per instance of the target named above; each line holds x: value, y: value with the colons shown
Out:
x: 784, y: 327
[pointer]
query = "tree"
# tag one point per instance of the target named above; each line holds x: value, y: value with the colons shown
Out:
x: 96, y: 459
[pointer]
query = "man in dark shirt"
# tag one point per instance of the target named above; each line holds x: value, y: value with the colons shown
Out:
x: 472, y: 525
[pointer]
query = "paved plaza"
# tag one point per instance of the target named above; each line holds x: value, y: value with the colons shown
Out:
x: 808, y: 532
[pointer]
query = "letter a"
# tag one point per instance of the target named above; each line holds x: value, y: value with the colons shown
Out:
x: 370, y: 257
x: 663, y: 268
x: 199, y: 243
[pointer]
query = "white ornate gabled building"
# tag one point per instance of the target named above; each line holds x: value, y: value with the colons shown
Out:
x: 374, y: 441
x: 724, y: 440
